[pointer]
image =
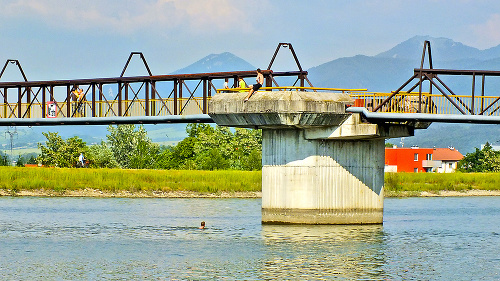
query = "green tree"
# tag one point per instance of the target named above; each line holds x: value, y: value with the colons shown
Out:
x: 220, y: 148
x: 211, y: 159
x: 20, y: 161
x: 101, y: 156
x: 195, y: 129
x: 482, y: 160
x: 247, y: 145
x: 4, y: 159
x: 131, y: 147
x: 165, y: 158
x: 60, y: 153
x: 183, y: 154
x: 145, y: 155
x: 253, y: 161
x: 31, y: 158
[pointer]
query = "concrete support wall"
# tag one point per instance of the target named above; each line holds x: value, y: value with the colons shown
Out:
x: 321, y: 181
x: 321, y: 165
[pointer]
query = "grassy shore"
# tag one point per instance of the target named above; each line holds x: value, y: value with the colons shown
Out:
x: 128, y: 183
x: 416, y: 184
x: 190, y: 183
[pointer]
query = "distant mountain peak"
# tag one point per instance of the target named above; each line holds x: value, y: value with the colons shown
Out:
x: 217, y: 63
x: 443, y: 49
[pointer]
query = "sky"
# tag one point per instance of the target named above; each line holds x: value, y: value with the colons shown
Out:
x: 61, y: 39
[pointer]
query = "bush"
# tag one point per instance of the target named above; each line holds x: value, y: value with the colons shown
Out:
x: 4, y: 159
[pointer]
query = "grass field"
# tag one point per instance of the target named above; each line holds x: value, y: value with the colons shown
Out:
x: 116, y: 180
x: 60, y: 180
x: 397, y: 184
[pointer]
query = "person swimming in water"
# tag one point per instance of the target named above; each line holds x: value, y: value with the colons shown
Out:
x: 202, y: 226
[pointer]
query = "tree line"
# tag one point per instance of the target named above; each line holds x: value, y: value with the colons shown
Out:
x: 205, y: 148
x: 128, y: 147
x: 482, y: 160
x: 20, y: 162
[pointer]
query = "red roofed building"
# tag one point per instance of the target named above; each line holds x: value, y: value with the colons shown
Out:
x: 418, y: 160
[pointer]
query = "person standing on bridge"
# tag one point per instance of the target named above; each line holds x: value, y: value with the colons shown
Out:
x: 81, y: 96
x: 257, y: 86
x: 74, y: 96
x: 77, y: 96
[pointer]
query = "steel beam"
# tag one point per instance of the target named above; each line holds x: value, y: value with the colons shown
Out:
x: 378, y: 117
x: 195, y: 118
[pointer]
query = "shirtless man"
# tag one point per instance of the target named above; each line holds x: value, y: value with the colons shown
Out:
x: 256, y: 87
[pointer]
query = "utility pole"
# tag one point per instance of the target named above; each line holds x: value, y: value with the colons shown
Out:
x: 11, y: 134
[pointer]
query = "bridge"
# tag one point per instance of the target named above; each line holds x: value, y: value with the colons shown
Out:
x: 407, y: 105
x: 178, y: 98
x: 184, y: 98
x: 322, y: 148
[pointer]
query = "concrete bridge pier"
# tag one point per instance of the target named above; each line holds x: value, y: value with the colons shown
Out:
x: 320, y: 165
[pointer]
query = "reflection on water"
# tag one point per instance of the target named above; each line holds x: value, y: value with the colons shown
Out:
x: 310, y: 252
x: 159, y: 239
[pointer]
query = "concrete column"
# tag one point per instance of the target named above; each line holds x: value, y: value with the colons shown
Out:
x: 321, y: 181
x: 320, y: 165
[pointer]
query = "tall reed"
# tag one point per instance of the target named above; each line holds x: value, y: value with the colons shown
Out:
x: 113, y: 180
x: 437, y: 182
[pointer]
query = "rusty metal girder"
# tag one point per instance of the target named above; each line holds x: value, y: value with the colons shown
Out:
x: 150, y: 96
x: 16, y: 62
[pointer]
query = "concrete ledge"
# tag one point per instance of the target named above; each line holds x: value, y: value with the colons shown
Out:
x: 278, y: 120
x: 280, y: 101
x: 315, y: 216
x: 279, y: 109
x: 354, y: 128
x: 350, y: 128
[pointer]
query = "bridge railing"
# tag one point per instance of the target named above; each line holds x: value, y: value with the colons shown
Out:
x: 178, y: 94
x: 400, y: 103
x: 164, y: 107
x: 151, y: 95
x: 293, y: 88
x: 430, y: 103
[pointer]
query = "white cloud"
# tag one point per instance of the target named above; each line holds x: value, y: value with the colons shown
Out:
x: 487, y: 34
x: 129, y: 16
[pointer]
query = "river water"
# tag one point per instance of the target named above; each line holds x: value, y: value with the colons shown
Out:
x: 159, y: 239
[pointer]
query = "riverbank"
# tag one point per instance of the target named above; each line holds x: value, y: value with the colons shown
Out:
x: 190, y: 194
x: 22, y: 181
x: 126, y: 194
x: 19, y: 181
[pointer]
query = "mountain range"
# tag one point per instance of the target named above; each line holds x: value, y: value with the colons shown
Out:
x: 388, y: 70
x: 383, y: 72
x: 217, y: 63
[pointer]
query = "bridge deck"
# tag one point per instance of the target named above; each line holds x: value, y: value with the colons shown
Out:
x: 402, y: 107
x: 159, y: 98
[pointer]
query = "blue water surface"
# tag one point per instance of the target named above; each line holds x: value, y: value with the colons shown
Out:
x: 159, y: 239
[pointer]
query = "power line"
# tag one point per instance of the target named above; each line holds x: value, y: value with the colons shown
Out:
x: 11, y: 134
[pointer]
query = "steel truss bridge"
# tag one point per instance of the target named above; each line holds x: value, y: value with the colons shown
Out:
x: 183, y: 98
x: 141, y: 99
x: 439, y: 104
